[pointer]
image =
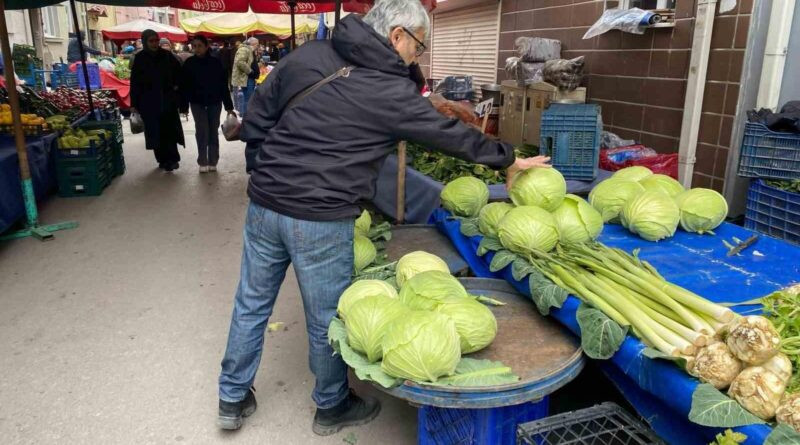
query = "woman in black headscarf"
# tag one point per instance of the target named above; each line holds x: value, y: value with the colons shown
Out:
x: 154, y: 95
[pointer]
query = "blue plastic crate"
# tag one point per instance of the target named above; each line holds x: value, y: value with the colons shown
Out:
x: 773, y: 212
x: 491, y: 426
x: 769, y: 154
x: 94, y: 75
x: 570, y: 135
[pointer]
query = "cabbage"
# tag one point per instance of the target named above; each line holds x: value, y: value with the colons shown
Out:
x: 651, y: 215
x: 577, y: 221
x: 702, y: 210
x: 541, y: 187
x: 465, y: 196
x: 528, y: 228
x: 490, y: 217
x: 427, y: 290
x: 635, y: 173
x: 363, y: 223
x: 364, y: 252
x: 416, y: 262
x: 662, y: 183
x: 421, y: 346
x: 362, y: 289
x: 367, y: 321
x: 610, y: 196
x: 475, y: 323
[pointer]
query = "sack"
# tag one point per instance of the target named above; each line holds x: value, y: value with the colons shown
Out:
x: 231, y: 127
x: 137, y: 124
x: 614, y: 159
x: 537, y: 49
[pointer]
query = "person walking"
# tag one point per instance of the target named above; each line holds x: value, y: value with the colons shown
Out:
x: 204, y: 87
x: 242, y: 68
x: 317, y: 132
x: 155, y: 74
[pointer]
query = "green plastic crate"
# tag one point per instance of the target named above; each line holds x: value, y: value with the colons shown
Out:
x: 113, y: 125
x: 84, y: 176
x: 89, y: 186
x: 117, y: 159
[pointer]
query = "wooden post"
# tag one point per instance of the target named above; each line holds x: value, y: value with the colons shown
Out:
x: 401, y: 182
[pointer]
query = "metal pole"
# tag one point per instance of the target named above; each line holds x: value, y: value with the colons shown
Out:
x: 28, y: 195
x: 337, y: 12
x: 83, y: 56
x: 293, y: 6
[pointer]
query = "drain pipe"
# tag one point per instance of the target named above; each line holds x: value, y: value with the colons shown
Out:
x: 695, y: 87
x: 780, y: 25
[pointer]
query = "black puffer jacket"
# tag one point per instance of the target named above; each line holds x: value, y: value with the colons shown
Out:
x: 320, y: 160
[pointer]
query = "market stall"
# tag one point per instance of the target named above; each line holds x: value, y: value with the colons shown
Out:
x: 133, y: 31
x: 248, y: 23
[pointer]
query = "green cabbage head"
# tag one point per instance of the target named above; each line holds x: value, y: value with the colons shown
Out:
x: 577, y: 221
x: 635, y: 173
x: 416, y: 262
x: 662, y: 183
x: 528, y: 228
x: 465, y: 196
x: 360, y: 290
x: 364, y: 252
x: 363, y: 223
x: 651, y: 215
x: 541, y: 187
x: 490, y: 216
x: 367, y: 323
x: 427, y: 290
x: 610, y: 196
x: 421, y: 346
x: 474, y: 321
x: 702, y: 210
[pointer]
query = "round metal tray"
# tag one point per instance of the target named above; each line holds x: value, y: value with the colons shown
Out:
x: 540, y: 351
x: 412, y: 237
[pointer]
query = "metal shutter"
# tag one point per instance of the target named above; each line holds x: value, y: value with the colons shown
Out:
x: 465, y: 43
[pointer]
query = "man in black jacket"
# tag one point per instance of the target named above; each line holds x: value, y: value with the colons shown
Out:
x: 312, y: 165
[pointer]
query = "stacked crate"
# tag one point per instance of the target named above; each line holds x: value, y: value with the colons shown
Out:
x: 84, y: 171
x: 771, y: 156
x: 570, y: 135
x: 113, y: 123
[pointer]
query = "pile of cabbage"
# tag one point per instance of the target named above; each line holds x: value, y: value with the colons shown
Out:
x: 420, y: 332
x: 653, y: 205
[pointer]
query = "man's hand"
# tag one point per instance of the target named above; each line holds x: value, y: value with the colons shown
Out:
x: 523, y: 164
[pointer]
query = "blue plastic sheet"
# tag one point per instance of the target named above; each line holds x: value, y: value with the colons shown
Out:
x: 696, y: 262
x: 42, y: 164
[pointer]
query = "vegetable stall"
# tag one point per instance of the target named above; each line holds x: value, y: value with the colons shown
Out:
x: 699, y: 338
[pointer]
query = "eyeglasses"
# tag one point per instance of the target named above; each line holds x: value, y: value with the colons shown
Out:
x: 420, y: 46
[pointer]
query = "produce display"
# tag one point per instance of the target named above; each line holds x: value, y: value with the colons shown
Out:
x: 419, y: 333
x: 32, y: 124
x: 445, y: 168
x: 786, y: 186
x: 751, y: 357
x: 122, y: 68
x: 75, y: 102
x: 78, y: 138
x: 465, y: 196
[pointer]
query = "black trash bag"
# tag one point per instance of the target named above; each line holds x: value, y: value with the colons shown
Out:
x: 137, y: 124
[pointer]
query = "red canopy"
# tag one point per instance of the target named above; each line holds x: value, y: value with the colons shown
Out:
x: 133, y: 30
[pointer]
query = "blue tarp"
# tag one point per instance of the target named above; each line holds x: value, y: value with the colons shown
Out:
x: 696, y: 262
x: 422, y: 191
x: 41, y: 160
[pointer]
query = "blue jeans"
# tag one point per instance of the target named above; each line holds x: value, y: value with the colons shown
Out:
x: 322, y: 254
x: 247, y: 92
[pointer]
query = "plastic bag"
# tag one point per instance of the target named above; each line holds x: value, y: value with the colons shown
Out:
x: 524, y: 72
x: 618, y: 158
x: 231, y: 127
x: 137, y: 124
x: 565, y: 74
x: 107, y: 65
x: 611, y: 140
x: 537, y: 49
x: 626, y: 20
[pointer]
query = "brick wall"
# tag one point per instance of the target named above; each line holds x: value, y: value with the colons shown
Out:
x: 640, y: 80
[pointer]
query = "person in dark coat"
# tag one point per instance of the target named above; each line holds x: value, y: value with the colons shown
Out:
x: 154, y: 95
x: 316, y: 164
x: 225, y: 55
x: 204, y: 87
x: 74, y: 51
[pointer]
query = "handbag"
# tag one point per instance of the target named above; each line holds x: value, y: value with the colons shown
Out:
x: 231, y: 127
x: 137, y: 124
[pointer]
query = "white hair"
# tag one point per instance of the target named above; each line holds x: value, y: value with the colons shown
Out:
x: 251, y: 40
x: 387, y: 15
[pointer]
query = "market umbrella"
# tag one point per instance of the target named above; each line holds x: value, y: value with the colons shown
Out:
x: 235, y: 23
x: 133, y: 30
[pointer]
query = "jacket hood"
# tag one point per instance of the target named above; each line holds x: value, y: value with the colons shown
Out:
x: 360, y: 45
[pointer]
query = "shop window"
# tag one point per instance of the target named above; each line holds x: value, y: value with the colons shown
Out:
x: 664, y: 8
x: 50, y: 24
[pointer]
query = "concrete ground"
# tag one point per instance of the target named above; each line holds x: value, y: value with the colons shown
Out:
x: 113, y: 332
